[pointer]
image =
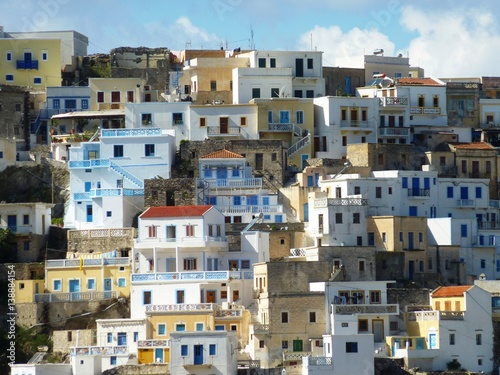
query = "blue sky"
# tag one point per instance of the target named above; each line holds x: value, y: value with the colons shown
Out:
x: 447, y: 38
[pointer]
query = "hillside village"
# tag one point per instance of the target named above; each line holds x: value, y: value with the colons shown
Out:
x: 246, y: 212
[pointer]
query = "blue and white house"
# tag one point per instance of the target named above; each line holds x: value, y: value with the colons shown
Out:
x: 226, y: 182
x: 181, y: 257
x: 107, y: 176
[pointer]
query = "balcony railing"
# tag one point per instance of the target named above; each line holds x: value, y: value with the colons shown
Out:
x: 18, y: 229
x: 319, y: 361
x: 403, y: 132
x: 214, y: 183
x: 228, y: 313
x: 184, y: 240
x: 425, y: 111
x: 295, y: 356
x: 229, y: 131
x: 75, y: 296
x: 479, y: 175
x: 280, y: 127
x: 153, y: 344
x: 136, y: 132
x: 228, y: 210
x: 102, y: 233
x: 181, y: 307
x: 465, y: 203
x: 90, y: 262
x: 366, y: 309
x: 488, y: 225
x: 326, y: 202
x: 424, y: 193
x: 435, y: 315
x: 187, y: 275
x: 393, y: 101
x: 452, y: 315
x: 357, y: 124
x: 261, y: 328
x: 86, y: 164
x: 27, y: 64
x: 107, y: 106
x: 99, y: 350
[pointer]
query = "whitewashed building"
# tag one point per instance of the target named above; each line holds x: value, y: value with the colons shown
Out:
x: 339, y: 121
x: 107, y: 176
x: 181, y: 257
x: 276, y: 74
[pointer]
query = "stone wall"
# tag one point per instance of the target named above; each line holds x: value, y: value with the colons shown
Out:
x: 383, y: 156
x: 294, y: 277
x: 408, y: 296
x: 171, y: 192
x: 24, y: 271
x: 151, y: 369
x: 12, y: 108
x: 349, y: 257
x: 390, y: 265
x: 35, y: 243
x: 101, y: 240
x: 63, y: 339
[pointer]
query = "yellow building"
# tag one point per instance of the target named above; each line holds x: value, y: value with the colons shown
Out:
x: 89, y: 277
x: 113, y: 93
x: 290, y: 120
x: 33, y: 63
x: 163, y: 319
x: 26, y: 290
x: 401, y: 233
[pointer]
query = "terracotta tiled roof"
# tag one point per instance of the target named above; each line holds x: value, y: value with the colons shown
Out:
x: 473, y: 145
x: 223, y: 154
x: 409, y: 81
x: 175, y: 211
x: 451, y: 291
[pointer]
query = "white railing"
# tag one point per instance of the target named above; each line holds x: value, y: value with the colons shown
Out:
x: 216, y: 130
x: 394, y: 131
x: 465, y: 202
x: 249, y: 209
x: 87, y: 262
x: 181, y: 307
x: 366, y: 309
x: 75, y: 296
x: 194, y: 275
x: 393, y: 101
x: 357, y: 124
x: 183, y: 239
x: 99, y: 350
x: 325, y: 202
x: 136, y: 132
x: 425, y: 110
x: 214, y: 183
x: 151, y: 343
x: 300, y: 144
x: 101, y: 233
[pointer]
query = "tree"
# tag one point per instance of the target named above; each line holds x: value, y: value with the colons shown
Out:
x: 7, y: 253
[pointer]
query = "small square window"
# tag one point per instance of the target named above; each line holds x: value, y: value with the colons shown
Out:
x: 261, y: 344
x: 351, y: 347
x: 45, y: 55
x: 312, y: 316
x: 121, y: 282
x: 112, y: 360
x: 37, y: 80
x: 162, y: 329
x: 184, y: 350
x: 212, y: 349
x: 108, y: 213
x: 9, y: 77
x: 284, y: 344
x: 8, y: 56
x: 284, y: 317
x: 147, y: 118
x: 21, y: 285
x: 345, y: 324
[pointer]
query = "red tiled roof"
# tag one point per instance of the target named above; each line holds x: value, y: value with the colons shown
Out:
x: 175, y: 211
x: 450, y: 291
x: 473, y: 145
x: 223, y: 154
x: 410, y: 81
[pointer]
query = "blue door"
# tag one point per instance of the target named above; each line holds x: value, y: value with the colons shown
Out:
x: 464, y: 192
x: 432, y: 341
x: 427, y: 183
x: 12, y: 223
x: 198, y: 354
x: 310, y: 180
x: 88, y: 185
x: 284, y: 117
x: 316, y: 179
x: 107, y: 288
x: 159, y: 355
x: 410, y: 240
x: 415, y: 186
x: 306, y: 212
x: 122, y: 338
x: 304, y: 158
x: 411, y: 269
x: 74, y: 287
x: 413, y: 210
x: 419, y: 343
x: 89, y: 213
x: 348, y: 85
x: 222, y: 173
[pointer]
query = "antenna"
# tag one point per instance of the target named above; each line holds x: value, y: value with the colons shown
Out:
x: 188, y: 44
x: 252, y: 45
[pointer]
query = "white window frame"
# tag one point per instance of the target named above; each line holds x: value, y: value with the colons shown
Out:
x: 54, y: 287
x: 87, y: 283
x: 8, y: 55
x: 46, y: 52
x: 158, y: 329
x: 124, y: 282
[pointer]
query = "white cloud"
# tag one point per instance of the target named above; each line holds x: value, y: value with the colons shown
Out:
x: 345, y: 49
x: 453, y: 43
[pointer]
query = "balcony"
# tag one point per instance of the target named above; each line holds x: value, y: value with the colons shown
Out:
x: 182, y: 307
x: 99, y: 350
x: 238, y: 210
x: 18, y: 229
x: 75, y: 296
x: 145, y: 344
x: 366, y: 309
x: 489, y: 125
x: 108, y: 106
x: 295, y: 356
x: 27, y: 64
x: 319, y: 361
x: 75, y: 235
x: 466, y: 203
x: 478, y: 175
x: 230, y: 131
x: 201, y: 276
x: 357, y: 125
x: 91, y: 163
x: 171, y: 243
x: 435, y: 315
x: 393, y: 102
x: 138, y: 132
x: 393, y: 132
x: 327, y: 202
x: 261, y: 328
x: 419, y: 193
x: 433, y: 111
x: 91, y: 262
x: 488, y: 225
x: 233, y: 183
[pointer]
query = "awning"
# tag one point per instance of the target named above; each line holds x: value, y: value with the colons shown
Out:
x: 90, y: 114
